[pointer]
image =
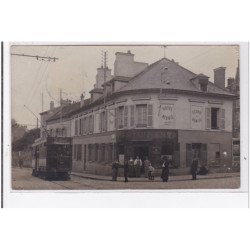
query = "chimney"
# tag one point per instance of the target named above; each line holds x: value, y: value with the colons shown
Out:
x: 125, y: 65
x: 103, y: 75
x: 52, y: 105
x: 219, y: 76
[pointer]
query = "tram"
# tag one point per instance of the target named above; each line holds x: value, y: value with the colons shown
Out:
x: 52, y: 158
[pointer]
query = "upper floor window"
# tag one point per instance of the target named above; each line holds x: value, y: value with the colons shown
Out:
x: 120, y: 116
x: 76, y: 127
x: 144, y: 115
x: 103, y: 121
x: 215, y: 118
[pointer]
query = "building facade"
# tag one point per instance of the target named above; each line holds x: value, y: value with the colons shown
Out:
x: 149, y: 111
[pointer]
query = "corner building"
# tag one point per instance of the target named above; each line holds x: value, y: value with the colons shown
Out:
x: 149, y: 111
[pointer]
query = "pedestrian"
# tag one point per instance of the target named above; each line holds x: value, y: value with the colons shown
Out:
x: 115, y: 167
x: 194, y: 167
x: 131, y: 168
x: 137, y: 165
x: 151, y: 170
x: 126, y: 171
x: 20, y: 163
x: 165, y: 169
x: 147, y: 163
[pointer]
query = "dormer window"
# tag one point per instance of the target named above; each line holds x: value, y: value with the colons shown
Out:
x: 203, y: 84
x: 164, y: 76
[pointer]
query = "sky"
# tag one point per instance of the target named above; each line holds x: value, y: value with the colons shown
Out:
x: 75, y: 70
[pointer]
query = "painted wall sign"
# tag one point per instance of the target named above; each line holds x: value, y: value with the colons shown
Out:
x: 196, y: 117
x: 166, y: 114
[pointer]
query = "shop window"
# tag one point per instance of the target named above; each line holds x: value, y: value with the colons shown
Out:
x: 75, y: 152
x: 110, y: 152
x: 102, y: 153
x: 96, y: 152
x: 79, y: 152
x: 90, y: 149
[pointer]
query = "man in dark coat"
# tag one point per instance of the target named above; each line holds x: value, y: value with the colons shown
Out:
x: 194, y: 167
x: 126, y: 171
x: 115, y: 167
x: 165, y: 169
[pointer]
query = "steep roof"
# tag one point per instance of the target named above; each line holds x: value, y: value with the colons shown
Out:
x: 64, y: 111
x: 177, y: 78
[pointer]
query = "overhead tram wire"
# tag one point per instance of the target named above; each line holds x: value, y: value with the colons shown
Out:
x: 43, y: 58
x: 39, y: 71
x: 39, y: 83
x: 36, y: 118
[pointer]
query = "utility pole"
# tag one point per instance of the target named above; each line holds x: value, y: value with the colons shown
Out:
x: 42, y: 102
x: 165, y: 47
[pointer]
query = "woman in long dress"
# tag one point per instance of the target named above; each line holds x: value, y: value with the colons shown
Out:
x: 165, y: 169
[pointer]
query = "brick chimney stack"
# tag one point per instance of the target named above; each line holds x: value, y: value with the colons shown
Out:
x: 219, y: 76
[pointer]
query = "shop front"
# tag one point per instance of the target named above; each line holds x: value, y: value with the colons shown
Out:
x: 152, y: 144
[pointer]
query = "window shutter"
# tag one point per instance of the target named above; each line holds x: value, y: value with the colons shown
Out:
x: 125, y: 116
x: 80, y: 126
x: 208, y: 118
x: 222, y: 116
x: 75, y: 127
x: 150, y: 115
x: 100, y: 122
x: 92, y: 124
x: 132, y: 116
x: 105, y: 120
x: 116, y: 118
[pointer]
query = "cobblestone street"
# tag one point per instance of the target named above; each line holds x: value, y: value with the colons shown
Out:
x: 23, y: 180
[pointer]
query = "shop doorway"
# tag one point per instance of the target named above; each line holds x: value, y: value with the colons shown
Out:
x: 141, y: 151
x: 199, y: 150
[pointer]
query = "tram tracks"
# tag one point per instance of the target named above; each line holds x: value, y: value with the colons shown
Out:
x: 70, y: 187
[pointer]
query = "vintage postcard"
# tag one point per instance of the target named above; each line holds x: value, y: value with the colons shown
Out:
x: 125, y: 117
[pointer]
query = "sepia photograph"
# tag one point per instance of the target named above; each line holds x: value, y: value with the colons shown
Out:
x: 125, y: 117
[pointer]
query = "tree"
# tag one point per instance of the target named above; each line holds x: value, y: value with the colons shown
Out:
x: 26, y: 140
x: 17, y: 130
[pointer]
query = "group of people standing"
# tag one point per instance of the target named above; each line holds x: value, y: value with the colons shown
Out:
x: 133, y: 167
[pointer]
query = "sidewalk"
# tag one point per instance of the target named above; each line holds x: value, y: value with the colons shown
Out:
x: 157, y: 179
